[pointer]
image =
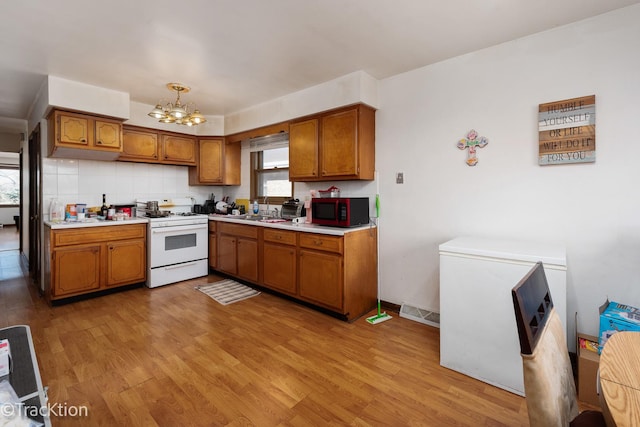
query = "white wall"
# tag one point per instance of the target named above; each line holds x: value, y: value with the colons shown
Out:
x: 590, y: 208
x: 349, y: 89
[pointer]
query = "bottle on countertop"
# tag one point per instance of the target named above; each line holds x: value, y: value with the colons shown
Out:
x: 104, y: 209
x: 111, y: 213
x: 256, y: 207
x: 55, y: 211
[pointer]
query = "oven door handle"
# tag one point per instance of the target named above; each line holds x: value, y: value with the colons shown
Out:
x: 178, y: 229
x: 184, y: 264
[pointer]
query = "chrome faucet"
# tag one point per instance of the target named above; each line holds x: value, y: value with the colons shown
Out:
x: 266, y: 202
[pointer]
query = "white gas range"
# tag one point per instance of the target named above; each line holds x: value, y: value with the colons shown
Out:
x: 177, y: 247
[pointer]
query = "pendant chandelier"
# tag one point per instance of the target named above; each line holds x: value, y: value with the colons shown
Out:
x: 176, y: 112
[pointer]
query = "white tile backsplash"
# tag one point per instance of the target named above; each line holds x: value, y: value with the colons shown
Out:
x: 84, y: 181
x: 67, y: 185
x: 68, y: 167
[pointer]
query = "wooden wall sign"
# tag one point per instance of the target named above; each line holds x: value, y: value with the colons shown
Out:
x: 567, y: 131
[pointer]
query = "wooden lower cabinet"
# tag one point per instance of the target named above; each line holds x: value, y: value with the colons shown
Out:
x: 76, y: 269
x: 248, y: 259
x: 227, y: 250
x: 337, y: 273
x: 321, y: 280
x: 213, y: 245
x: 90, y: 259
x: 279, y: 255
x: 238, y: 250
x: 124, y: 264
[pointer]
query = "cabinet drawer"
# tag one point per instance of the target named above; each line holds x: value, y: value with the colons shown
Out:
x: 98, y: 234
x: 321, y: 242
x: 213, y: 226
x: 280, y: 236
x: 249, y: 231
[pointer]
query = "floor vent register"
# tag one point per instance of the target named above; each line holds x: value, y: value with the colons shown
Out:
x: 427, y: 317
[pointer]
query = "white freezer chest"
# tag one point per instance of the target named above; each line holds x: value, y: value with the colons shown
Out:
x: 478, y: 333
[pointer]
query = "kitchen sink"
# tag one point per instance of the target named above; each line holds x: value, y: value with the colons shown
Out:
x: 263, y: 218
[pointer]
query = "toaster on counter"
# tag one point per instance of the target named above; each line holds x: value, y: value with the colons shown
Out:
x: 293, y: 208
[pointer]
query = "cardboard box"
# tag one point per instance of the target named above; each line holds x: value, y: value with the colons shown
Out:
x: 615, y: 317
x: 5, y: 358
x: 588, y: 361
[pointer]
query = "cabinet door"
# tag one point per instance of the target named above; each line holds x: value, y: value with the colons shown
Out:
x: 76, y: 269
x: 303, y: 150
x: 178, y: 150
x: 247, y: 256
x: 279, y: 271
x: 139, y: 145
x: 213, y: 250
x: 210, y: 161
x: 73, y: 129
x: 339, y: 144
x: 126, y: 262
x: 108, y: 135
x: 321, y: 279
x: 232, y: 151
x: 227, y: 261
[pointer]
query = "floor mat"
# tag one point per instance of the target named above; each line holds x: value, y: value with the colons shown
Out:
x: 227, y: 291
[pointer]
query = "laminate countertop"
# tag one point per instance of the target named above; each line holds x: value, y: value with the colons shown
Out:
x: 93, y: 223
x: 289, y: 225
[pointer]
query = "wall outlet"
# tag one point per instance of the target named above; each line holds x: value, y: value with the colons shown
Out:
x: 400, y: 178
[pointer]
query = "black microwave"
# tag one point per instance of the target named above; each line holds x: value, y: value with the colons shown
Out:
x: 340, y: 211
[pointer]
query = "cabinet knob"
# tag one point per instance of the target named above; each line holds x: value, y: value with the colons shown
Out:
x: 83, y: 140
x: 99, y: 142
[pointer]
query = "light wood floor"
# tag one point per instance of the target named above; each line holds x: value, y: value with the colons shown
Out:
x: 9, y: 238
x: 171, y: 356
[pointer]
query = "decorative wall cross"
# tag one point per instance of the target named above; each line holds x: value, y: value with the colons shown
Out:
x: 472, y: 141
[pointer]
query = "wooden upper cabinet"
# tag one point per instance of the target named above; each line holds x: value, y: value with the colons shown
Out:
x: 217, y: 163
x: 72, y: 129
x: 210, y: 162
x: 335, y: 145
x: 303, y: 150
x: 232, y: 151
x: 153, y: 146
x: 179, y: 150
x: 139, y: 145
x: 339, y: 149
x: 83, y: 136
x: 108, y: 134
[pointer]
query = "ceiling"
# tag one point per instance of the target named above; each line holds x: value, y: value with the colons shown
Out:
x: 239, y: 53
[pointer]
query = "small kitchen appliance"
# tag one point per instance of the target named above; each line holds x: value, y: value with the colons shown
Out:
x: 340, y: 211
x: 293, y: 208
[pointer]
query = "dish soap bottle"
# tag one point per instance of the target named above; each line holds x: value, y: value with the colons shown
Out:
x: 256, y: 207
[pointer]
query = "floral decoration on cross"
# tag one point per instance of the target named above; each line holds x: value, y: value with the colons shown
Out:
x: 472, y: 141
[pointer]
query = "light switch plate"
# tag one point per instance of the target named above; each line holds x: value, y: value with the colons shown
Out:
x: 400, y: 178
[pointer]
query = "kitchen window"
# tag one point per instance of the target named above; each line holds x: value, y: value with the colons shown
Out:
x: 270, y: 175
